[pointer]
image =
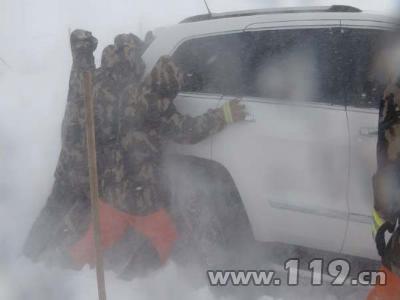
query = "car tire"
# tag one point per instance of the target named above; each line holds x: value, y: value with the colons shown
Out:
x: 212, y: 223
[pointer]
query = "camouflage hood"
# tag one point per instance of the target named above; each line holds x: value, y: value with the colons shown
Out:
x: 109, y: 57
x: 124, y: 57
x: 165, y: 79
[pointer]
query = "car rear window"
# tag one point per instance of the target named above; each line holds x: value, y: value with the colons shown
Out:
x: 321, y: 65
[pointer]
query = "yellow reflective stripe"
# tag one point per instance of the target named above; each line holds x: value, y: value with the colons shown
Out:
x: 378, y: 221
x: 376, y: 228
x: 374, y: 231
x: 227, y: 113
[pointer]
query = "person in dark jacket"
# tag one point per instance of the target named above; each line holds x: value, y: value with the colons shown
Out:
x: 386, y: 184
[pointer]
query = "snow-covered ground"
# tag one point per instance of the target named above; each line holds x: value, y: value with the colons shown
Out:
x: 33, y: 87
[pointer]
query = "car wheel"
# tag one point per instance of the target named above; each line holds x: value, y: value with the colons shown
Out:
x: 210, y: 217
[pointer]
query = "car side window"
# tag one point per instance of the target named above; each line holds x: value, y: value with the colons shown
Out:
x: 316, y: 65
x: 214, y: 64
x: 363, y: 63
x: 295, y: 65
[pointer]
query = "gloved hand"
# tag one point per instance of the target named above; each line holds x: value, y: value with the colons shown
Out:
x: 234, y: 111
x: 82, y: 42
x: 380, y: 227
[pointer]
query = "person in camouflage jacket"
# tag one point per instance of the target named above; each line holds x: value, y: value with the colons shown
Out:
x: 133, y: 122
x: 64, y: 217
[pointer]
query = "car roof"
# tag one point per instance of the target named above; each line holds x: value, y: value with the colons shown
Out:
x: 167, y: 39
x: 286, y: 10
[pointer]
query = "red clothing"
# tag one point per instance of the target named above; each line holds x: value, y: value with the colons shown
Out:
x: 158, y: 227
x: 390, y: 291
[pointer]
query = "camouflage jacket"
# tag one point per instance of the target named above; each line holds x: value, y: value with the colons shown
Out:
x: 65, y: 215
x: 132, y: 123
x: 148, y: 120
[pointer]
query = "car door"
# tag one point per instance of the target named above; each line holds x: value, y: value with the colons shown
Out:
x: 363, y: 135
x: 290, y: 165
x: 290, y: 159
x: 363, y: 93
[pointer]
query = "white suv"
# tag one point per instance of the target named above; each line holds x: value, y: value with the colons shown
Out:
x: 302, y: 163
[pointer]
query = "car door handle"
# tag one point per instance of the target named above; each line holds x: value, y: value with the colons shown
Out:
x: 250, y: 117
x: 368, y: 131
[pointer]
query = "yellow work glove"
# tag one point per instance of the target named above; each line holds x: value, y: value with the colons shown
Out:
x: 234, y: 111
